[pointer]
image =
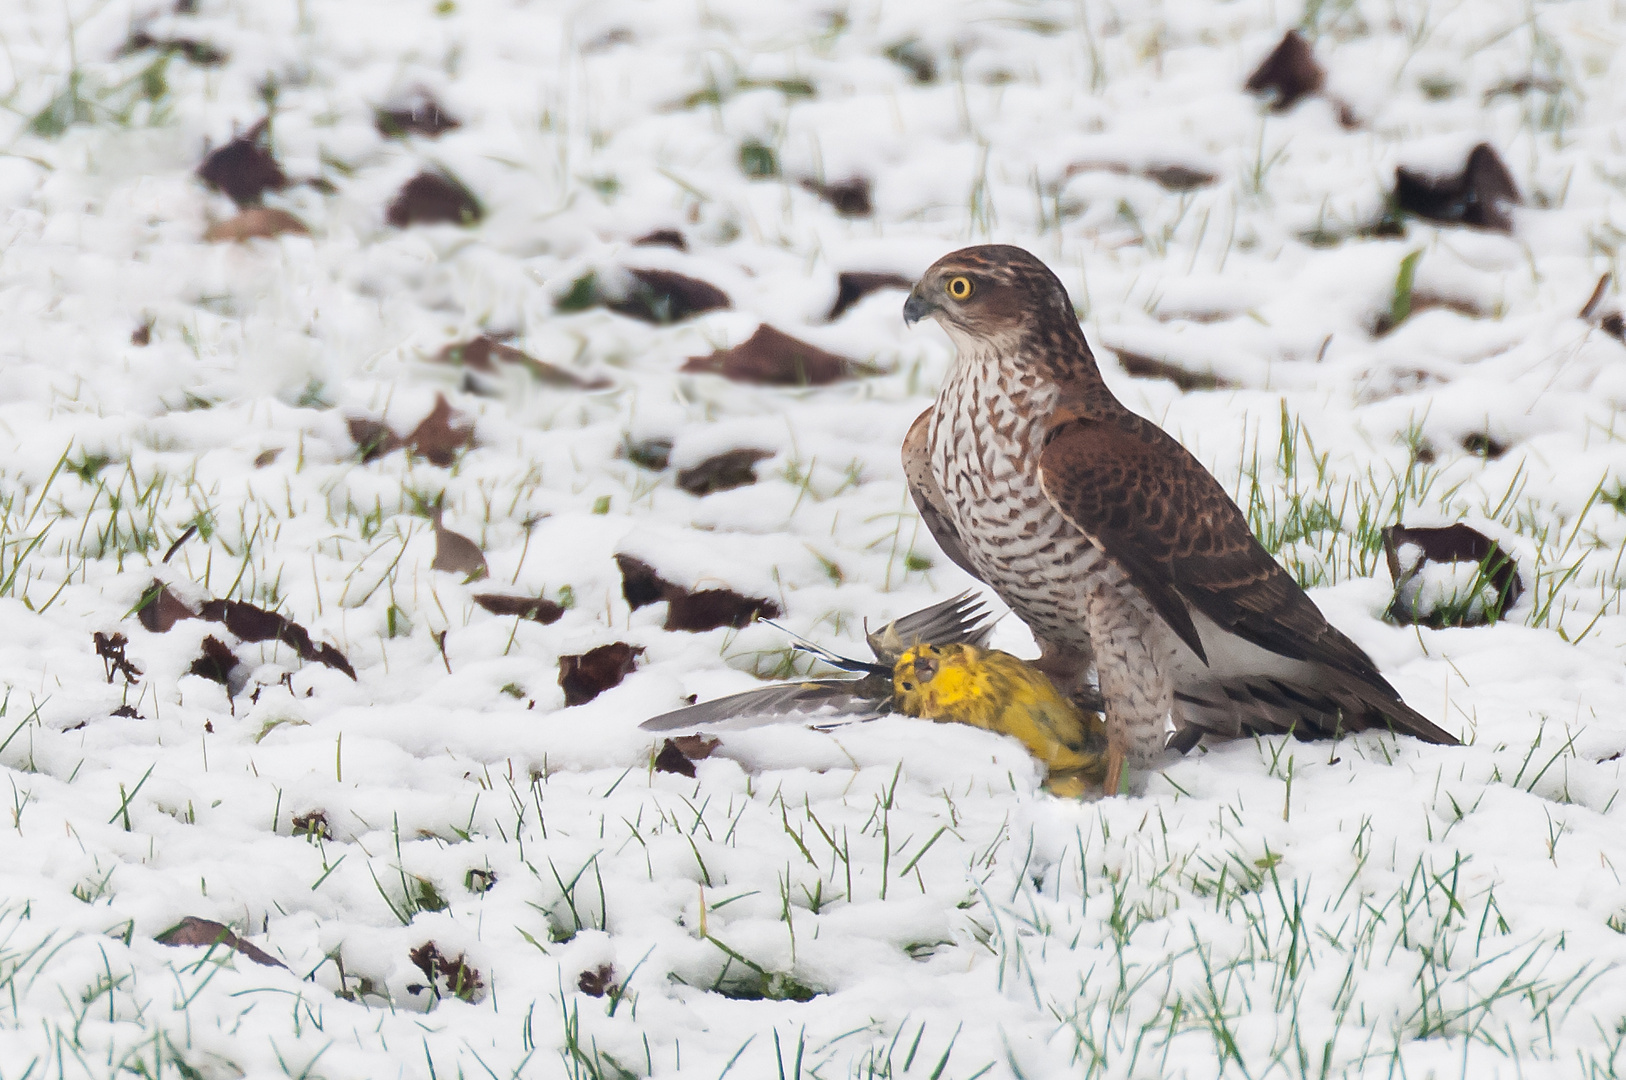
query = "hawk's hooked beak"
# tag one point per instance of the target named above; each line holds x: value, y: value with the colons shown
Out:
x: 915, y: 309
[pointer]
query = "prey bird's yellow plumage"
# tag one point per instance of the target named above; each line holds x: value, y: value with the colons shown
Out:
x: 933, y: 664
x: 995, y: 691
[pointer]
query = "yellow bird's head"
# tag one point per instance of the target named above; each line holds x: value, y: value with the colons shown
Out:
x: 949, y: 682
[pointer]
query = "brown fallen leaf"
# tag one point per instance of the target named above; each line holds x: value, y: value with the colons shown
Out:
x: 244, y: 168
x: 196, y: 52
x: 456, y: 553
x: 588, y: 675
x: 1146, y: 367
x: 142, y: 335
x: 314, y: 824
x: 911, y: 54
x: 1289, y: 73
x: 462, y: 981
x: 773, y: 358
x: 1522, y: 85
x: 482, y: 353
x: 1171, y: 176
x: 663, y: 238
x: 437, y: 437
x: 672, y: 760
x: 255, y: 222
x: 1176, y: 177
x: 1483, y: 444
x: 722, y: 472
x: 1479, y: 195
x: 1384, y: 381
x: 1409, y: 551
x: 695, y: 747
x: 252, y: 624
x: 663, y: 296
x: 476, y: 353
x: 110, y: 647
x: 651, y: 454
x: 850, y: 198
x: 421, y: 114
x: 853, y: 285
x: 1422, y: 300
x: 535, y: 608
x: 708, y: 609
x: 373, y: 438
x: 217, y: 662
x: 640, y: 584
x: 159, y: 609
x: 205, y: 932
x: 597, y: 983
x: 434, y: 198
x: 692, y: 611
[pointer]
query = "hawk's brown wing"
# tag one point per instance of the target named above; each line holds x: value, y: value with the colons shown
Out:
x: 1164, y: 519
x: 917, y: 470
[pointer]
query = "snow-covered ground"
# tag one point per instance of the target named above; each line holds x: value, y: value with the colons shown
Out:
x: 1377, y: 907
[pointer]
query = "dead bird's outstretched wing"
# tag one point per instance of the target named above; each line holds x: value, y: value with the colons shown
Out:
x: 959, y: 620
x: 847, y: 699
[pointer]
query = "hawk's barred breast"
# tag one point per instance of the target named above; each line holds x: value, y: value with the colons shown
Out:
x: 985, y: 437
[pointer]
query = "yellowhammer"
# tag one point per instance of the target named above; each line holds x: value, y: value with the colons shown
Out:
x: 933, y: 664
x: 995, y: 691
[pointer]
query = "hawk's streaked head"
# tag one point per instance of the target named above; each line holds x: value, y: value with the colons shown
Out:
x: 989, y: 295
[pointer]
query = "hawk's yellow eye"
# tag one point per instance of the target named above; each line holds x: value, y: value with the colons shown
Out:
x: 958, y: 287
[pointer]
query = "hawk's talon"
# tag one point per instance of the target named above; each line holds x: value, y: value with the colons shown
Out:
x: 1115, y: 772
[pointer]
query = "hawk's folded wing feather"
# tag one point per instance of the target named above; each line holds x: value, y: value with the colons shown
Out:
x: 1157, y: 512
